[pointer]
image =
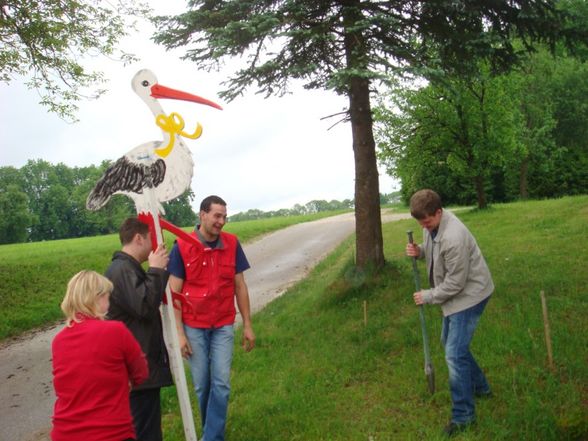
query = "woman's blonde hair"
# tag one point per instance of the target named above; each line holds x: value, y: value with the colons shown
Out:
x: 83, y: 291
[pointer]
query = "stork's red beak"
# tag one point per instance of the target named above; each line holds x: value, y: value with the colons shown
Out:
x: 159, y: 91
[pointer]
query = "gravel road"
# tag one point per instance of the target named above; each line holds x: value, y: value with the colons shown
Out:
x: 277, y: 260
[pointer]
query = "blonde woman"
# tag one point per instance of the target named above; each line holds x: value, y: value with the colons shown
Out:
x: 94, y: 363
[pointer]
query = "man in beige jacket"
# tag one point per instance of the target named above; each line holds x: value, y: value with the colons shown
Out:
x: 461, y: 283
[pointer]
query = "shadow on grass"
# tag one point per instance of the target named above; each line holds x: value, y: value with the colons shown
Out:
x: 356, y: 283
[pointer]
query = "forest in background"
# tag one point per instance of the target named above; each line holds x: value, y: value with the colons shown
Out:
x: 43, y: 201
x: 486, y: 136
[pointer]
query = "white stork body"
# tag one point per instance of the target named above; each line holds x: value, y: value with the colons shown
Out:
x: 176, y: 178
x: 165, y: 166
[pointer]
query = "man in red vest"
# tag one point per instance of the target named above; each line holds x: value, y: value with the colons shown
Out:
x: 208, y: 275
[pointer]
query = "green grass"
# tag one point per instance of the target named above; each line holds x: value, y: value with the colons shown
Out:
x: 34, y: 275
x: 319, y: 373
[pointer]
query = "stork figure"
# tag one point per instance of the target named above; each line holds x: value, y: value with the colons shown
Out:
x: 165, y: 166
x: 152, y: 173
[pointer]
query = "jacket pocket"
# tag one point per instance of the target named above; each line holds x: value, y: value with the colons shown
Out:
x: 227, y: 271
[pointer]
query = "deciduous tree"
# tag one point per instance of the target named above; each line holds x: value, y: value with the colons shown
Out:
x: 42, y: 201
x: 450, y: 133
x: 534, y: 144
x: 179, y: 210
x: 15, y: 216
x: 45, y: 41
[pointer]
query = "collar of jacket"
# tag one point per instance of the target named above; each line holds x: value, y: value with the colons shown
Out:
x: 126, y: 256
x: 445, y: 218
x: 219, y: 242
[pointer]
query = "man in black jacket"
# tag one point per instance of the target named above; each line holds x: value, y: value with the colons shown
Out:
x: 135, y: 301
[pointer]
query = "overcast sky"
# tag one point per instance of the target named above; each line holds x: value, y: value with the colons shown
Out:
x: 256, y: 153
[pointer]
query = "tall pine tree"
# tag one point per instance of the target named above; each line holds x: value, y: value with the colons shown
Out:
x: 346, y: 45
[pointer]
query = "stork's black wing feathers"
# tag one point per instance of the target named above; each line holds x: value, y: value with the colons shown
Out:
x: 125, y: 175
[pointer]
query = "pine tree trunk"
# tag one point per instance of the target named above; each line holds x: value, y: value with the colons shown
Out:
x: 368, y: 222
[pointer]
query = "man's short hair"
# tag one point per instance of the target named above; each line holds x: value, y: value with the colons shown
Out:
x: 208, y: 201
x: 425, y: 203
x: 129, y: 228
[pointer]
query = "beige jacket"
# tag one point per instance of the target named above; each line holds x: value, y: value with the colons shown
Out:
x: 460, y: 276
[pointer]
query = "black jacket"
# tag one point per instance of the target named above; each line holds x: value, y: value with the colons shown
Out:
x: 135, y: 301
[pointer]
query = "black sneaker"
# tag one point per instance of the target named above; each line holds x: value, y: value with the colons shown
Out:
x: 453, y: 429
x: 483, y: 394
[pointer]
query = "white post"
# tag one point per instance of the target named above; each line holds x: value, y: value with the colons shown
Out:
x: 170, y: 334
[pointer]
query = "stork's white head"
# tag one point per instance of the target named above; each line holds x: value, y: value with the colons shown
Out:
x: 142, y: 83
x: 145, y: 85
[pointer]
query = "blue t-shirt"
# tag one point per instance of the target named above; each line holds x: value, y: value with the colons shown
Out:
x: 176, y: 267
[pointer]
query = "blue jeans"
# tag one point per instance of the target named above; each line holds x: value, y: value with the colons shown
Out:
x: 210, y: 364
x: 466, y: 379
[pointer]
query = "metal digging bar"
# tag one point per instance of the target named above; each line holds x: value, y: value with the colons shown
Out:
x: 429, y: 371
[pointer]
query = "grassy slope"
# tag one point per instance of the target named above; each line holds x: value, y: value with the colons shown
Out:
x: 319, y: 373
x: 34, y: 275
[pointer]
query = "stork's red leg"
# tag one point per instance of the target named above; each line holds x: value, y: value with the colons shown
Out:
x: 176, y: 231
x: 147, y: 218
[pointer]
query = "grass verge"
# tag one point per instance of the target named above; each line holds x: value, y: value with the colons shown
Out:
x: 34, y: 275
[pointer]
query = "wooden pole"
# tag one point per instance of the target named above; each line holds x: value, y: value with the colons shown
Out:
x: 172, y: 340
x: 365, y: 312
x: 547, y: 331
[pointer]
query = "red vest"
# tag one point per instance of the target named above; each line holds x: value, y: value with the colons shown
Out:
x: 209, y: 287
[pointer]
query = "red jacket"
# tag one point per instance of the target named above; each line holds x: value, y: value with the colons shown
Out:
x: 93, y: 363
x: 209, y: 287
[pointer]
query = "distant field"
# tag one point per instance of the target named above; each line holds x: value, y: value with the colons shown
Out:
x: 34, y: 275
